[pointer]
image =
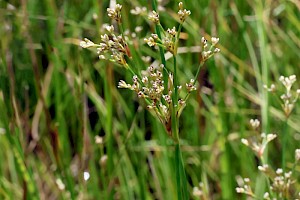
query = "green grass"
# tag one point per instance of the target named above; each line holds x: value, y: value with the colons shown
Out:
x: 55, y: 97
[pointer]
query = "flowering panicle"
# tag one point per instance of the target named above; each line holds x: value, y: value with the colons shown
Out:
x: 112, y: 47
x: 259, y: 144
x: 289, y: 97
x: 280, y: 184
x: 150, y: 86
x: 281, y: 181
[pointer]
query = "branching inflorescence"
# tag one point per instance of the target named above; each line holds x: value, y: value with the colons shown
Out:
x: 281, y: 182
x: 151, y: 85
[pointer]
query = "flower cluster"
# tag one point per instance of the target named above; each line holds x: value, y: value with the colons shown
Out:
x: 209, y: 51
x: 151, y: 88
x: 115, y: 13
x: 255, y: 123
x: 289, y: 97
x: 183, y: 13
x: 115, y: 45
x: 191, y: 86
x: 167, y: 42
x: 161, y: 98
x: 280, y: 182
x: 154, y: 17
x: 112, y: 47
x: 244, y: 187
x: 111, y: 44
x: 198, y: 190
x: 258, y: 143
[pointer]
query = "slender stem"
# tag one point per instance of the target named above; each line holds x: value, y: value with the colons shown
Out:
x: 196, y: 79
x: 284, y: 133
x: 175, y: 83
x: 181, y: 181
x: 177, y: 38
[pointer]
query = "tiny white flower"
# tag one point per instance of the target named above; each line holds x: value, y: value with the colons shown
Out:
x: 266, y: 195
x: 217, y: 50
x: 271, y: 137
x: 279, y: 171
x: 297, y: 154
x: 288, y: 174
x: 245, y: 141
x: 86, y: 176
x: 2, y: 131
x: 247, y: 180
x: 110, y: 28
x: 60, y: 184
x: 240, y: 190
x: 98, y: 139
x: 214, y: 40
x: 86, y: 43
x: 197, y: 192
x: 101, y: 57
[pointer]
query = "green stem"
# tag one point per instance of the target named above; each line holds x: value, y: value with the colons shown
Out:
x: 109, y: 125
x: 284, y: 133
x: 175, y: 84
x: 181, y: 181
x: 196, y: 79
x: 177, y: 38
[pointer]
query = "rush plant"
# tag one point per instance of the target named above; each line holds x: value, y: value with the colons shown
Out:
x: 158, y: 85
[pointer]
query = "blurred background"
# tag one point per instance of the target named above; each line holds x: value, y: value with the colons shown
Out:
x: 68, y: 132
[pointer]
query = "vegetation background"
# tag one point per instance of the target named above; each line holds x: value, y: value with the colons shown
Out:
x: 55, y: 97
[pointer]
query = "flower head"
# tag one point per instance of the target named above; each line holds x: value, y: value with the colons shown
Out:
x: 183, y: 13
x: 154, y: 17
x: 115, y: 13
